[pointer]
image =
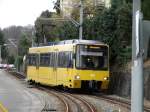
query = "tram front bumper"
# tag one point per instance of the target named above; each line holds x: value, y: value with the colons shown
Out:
x: 89, y: 84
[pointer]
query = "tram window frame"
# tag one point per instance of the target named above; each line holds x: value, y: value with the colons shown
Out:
x: 106, y: 53
x: 31, y: 60
x: 37, y: 60
x: 65, y: 59
x: 51, y: 63
x: 44, y: 59
x: 27, y: 60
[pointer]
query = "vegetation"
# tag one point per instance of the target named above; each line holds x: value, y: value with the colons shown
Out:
x: 22, y: 37
x: 11, y: 59
x: 45, y: 28
x: 4, y: 52
x: 145, y: 9
x: 18, y: 62
x: 110, y: 25
x: 24, y: 44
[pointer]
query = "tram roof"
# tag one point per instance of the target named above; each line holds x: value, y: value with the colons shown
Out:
x: 75, y: 41
x: 65, y: 42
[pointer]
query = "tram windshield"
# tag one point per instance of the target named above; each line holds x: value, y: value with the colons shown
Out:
x: 93, y: 57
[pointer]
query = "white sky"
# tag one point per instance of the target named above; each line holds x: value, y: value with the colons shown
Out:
x: 22, y: 12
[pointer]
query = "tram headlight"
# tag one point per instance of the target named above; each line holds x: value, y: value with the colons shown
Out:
x: 77, y: 77
x: 105, y: 78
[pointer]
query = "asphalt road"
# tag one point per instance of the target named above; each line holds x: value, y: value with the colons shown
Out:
x: 16, y: 97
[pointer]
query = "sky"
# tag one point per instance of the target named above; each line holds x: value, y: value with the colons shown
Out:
x: 22, y: 12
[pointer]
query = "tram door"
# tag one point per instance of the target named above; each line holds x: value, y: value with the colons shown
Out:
x: 55, y: 67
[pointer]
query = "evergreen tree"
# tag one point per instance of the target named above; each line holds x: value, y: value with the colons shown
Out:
x: 124, y: 32
x: 146, y: 9
x: 68, y: 31
x: 1, y: 37
x: 11, y: 59
x: 105, y: 30
x: 24, y: 45
x: 4, y: 52
x: 124, y: 23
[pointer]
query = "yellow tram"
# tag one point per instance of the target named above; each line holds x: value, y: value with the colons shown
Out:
x: 72, y: 63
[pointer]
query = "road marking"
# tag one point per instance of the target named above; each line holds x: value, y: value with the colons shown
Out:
x: 2, y: 108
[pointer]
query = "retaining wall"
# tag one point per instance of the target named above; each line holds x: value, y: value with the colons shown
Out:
x: 120, y: 83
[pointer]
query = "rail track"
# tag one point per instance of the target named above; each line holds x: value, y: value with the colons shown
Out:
x: 81, y: 104
x: 117, y: 101
x: 87, y: 105
x: 84, y: 103
x: 90, y: 107
x: 126, y: 104
x: 63, y: 101
x: 18, y: 75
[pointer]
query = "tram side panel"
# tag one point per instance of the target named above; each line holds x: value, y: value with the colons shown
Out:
x: 64, y: 68
x: 32, y: 72
x: 44, y: 70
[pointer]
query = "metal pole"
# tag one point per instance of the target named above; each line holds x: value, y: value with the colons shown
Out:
x: 137, y: 59
x: 81, y: 20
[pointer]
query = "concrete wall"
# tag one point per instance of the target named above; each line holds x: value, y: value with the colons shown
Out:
x: 146, y: 37
x: 147, y: 83
x: 120, y: 83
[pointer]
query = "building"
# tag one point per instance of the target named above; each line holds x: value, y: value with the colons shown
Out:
x: 106, y: 3
x: 67, y: 6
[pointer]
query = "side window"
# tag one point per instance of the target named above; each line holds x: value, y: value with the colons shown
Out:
x: 41, y: 59
x: 47, y: 59
x: 37, y: 60
x: 65, y: 60
x: 60, y: 59
x: 27, y: 59
x: 44, y: 59
x: 31, y: 60
x: 34, y: 60
x: 51, y: 59
x: 71, y: 60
